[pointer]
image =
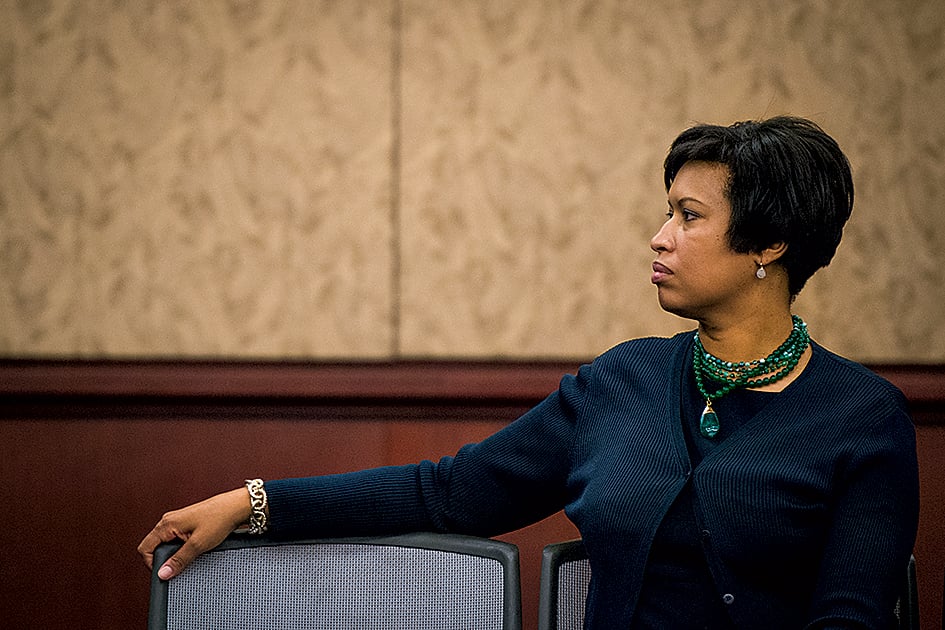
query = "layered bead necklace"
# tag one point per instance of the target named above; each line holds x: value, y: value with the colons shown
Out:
x: 729, y: 375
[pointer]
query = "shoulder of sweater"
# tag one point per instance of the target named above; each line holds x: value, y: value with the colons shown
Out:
x: 641, y: 355
x: 841, y: 370
x: 646, y: 347
x: 860, y: 404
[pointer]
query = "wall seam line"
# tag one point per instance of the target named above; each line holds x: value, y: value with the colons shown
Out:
x: 395, y: 181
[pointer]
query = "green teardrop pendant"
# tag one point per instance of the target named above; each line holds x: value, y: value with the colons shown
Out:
x: 709, y: 422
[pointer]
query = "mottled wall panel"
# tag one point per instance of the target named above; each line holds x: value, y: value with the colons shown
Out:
x: 216, y: 178
x: 195, y: 179
x: 534, y: 134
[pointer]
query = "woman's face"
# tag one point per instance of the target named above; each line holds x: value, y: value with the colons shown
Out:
x: 696, y: 272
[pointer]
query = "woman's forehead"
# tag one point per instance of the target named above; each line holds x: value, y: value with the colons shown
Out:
x: 704, y: 182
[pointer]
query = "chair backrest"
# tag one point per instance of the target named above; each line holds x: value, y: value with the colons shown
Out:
x: 566, y: 576
x: 907, y: 608
x: 418, y: 581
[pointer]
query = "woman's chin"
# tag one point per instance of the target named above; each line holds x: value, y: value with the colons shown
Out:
x: 675, y: 307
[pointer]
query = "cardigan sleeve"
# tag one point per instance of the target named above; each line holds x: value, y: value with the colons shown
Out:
x: 874, y: 523
x: 511, y: 479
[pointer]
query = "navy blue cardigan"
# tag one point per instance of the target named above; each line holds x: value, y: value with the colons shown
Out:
x: 807, y: 512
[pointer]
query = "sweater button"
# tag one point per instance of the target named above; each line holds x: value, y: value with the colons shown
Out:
x: 728, y: 598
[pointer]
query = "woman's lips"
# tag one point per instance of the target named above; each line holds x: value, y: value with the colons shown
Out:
x: 660, y: 273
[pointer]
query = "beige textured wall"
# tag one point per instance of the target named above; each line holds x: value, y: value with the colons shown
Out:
x: 388, y: 178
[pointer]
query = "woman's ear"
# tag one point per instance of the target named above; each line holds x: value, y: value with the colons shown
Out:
x: 771, y: 254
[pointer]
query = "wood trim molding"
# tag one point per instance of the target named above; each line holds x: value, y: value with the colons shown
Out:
x: 401, y: 380
x: 481, y: 383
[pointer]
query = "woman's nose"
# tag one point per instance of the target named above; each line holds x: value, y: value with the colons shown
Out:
x: 661, y: 241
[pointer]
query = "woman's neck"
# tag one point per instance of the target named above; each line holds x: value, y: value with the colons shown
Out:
x: 747, y: 338
x: 750, y: 339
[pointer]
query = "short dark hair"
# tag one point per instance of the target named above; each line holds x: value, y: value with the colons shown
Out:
x: 789, y: 182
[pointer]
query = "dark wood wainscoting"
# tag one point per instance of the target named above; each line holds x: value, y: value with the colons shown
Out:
x: 93, y: 452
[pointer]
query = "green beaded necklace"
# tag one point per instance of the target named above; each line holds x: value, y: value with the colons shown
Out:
x: 755, y: 373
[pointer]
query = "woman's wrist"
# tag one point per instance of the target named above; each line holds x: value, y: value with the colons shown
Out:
x: 259, y: 507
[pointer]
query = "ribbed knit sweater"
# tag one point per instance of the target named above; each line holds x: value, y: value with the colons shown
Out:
x: 808, y: 512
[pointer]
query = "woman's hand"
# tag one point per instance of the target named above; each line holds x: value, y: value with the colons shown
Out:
x: 202, y: 526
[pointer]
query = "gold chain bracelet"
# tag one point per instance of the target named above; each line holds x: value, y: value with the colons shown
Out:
x: 258, y: 521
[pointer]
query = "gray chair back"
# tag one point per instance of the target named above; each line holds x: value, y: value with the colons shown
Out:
x: 565, y: 578
x: 412, y: 582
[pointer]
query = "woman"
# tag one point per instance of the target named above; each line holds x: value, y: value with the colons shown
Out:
x: 737, y: 476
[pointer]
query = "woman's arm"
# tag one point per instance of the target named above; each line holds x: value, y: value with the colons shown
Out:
x: 875, y: 519
x: 515, y: 477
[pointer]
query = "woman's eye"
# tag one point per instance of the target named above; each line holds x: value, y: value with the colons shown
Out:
x: 687, y: 215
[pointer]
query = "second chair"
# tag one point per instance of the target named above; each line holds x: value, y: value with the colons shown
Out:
x: 566, y: 576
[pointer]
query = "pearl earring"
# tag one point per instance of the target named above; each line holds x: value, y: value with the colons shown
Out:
x: 761, y: 274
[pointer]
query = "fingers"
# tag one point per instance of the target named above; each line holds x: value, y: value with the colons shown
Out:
x: 201, y: 526
x: 179, y: 561
x: 146, y: 548
x: 193, y: 546
x: 164, y: 531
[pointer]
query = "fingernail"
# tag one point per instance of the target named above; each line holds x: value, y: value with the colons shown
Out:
x: 165, y: 572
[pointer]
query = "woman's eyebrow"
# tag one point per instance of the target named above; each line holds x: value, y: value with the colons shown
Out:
x: 686, y: 199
